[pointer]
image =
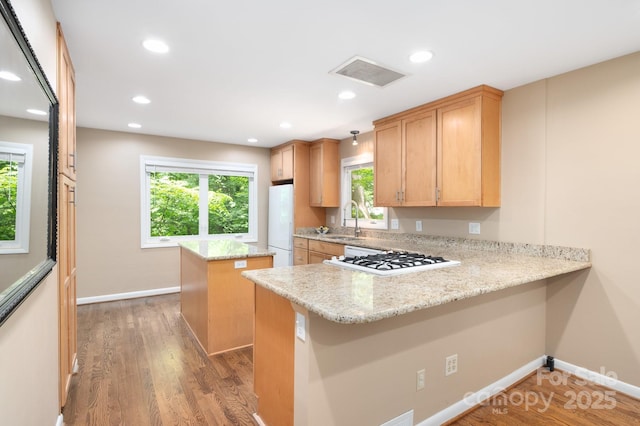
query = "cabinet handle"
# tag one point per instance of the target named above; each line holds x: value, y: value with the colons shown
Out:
x: 437, y: 194
x: 397, y: 195
x: 73, y: 161
x: 72, y: 200
x: 402, y: 196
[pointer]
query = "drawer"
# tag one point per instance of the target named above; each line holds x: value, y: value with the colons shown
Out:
x: 300, y: 256
x: 315, y: 257
x: 331, y: 249
x: 302, y: 243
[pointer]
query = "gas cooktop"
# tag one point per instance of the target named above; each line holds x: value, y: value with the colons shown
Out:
x: 392, y: 263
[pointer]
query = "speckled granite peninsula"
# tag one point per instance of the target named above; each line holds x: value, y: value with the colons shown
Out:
x: 350, y: 297
x: 342, y: 347
x: 224, y: 249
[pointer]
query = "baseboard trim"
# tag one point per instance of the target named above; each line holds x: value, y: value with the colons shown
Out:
x: 129, y: 295
x: 474, y: 399
x: 605, y: 379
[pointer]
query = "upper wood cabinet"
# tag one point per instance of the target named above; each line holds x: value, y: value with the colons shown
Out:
x: 295, y: 155
x: 445, y: 153
x: 67, y: 110
x: 405, y: 156
x: 282, y: 163
x: 324, y: 173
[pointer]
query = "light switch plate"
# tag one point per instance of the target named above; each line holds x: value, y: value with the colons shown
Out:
x: 419, y: 225
x: 240, y: 264
x: 395, y: 224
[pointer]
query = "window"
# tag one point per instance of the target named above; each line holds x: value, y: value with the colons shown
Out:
x: 15, y: 196
x: 187, y: 199
x: 357, y: 186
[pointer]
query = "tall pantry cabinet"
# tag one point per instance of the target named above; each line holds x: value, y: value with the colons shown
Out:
x: 67, y: 317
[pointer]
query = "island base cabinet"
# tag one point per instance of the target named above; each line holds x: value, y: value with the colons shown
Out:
x: 273, y: 357
x: 216, y: 302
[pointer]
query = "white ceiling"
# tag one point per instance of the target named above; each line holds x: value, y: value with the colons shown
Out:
x: 236, y: 69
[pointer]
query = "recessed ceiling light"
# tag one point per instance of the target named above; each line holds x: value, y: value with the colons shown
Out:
x: 6, y: 75
x: 252, y: 140
x: 155, y: 46
x: 347, y: 94
x: 141, y: 100
x: 285, y: 125
x: 421, y: 57
x: 36, y: 111
x: 134, y: 125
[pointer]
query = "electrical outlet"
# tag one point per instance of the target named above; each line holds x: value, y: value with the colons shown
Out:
x: 451, y: 365
x: 420, y: 380
x: 474, y: 228
x: 301, y: 331
x: 395, y: 224
x: 333, y: 219
x: 419, y: 225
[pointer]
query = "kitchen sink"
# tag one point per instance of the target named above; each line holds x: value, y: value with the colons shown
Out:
x: 342, y: 237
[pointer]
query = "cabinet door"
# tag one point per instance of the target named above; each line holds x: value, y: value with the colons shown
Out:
x: 419, y: 160
x: 67, y: 283
x: 388, y: 164
x: 67, y: 107
x: 315, y: 257
x: 324, y: 173
x: 276, y: 165
x: 315, y: 175
x: 282, y: 164
x: 460, y: 154
x: 287, y: 162
x: 300, y: 256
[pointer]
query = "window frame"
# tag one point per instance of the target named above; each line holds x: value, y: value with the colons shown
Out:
x: 20, y: 245
x: 346, y: 166
x: 204, y: 169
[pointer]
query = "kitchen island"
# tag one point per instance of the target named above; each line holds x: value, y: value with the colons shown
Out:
x: 216, y: 302
x: 362, y: 338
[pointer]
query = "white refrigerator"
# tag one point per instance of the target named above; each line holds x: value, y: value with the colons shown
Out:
x: 281, y: 224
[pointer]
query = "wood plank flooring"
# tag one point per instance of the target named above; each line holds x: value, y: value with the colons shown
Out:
x: 554, y: 398
x: 139, y: 365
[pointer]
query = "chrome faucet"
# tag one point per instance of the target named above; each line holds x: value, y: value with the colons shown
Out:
x: 356, y: 231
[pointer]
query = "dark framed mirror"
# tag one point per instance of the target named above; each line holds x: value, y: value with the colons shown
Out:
x: 28, y: 167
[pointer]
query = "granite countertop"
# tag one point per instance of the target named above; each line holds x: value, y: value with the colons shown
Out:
x: 351, y: 297
x: 224, y: 249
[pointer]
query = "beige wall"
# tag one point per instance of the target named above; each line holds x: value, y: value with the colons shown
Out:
x: 365, y: 374
x: 29, y: 359
x: 110, y: 259
x: 29, y: 338
x: 569, y: 177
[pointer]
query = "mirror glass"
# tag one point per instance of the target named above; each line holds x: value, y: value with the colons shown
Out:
x: 28, y: 116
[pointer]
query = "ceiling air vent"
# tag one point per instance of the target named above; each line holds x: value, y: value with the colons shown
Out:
x: 367, y: 71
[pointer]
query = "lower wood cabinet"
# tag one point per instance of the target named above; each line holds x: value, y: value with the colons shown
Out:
x: 217, y: 302
x: 300, y: 251
x: 321, y: 250
x: 307, y: 251
x: 273, y: 357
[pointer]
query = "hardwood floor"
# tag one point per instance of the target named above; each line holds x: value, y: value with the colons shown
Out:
x: 554, y: 398
x: 139, y: 365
